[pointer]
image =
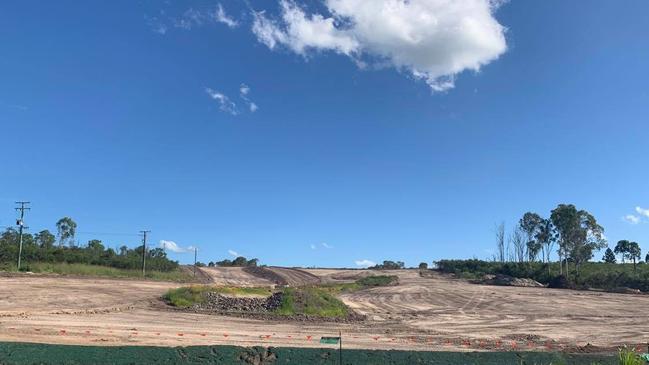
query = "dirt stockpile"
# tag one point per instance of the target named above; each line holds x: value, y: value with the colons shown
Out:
x: 283, y: 276
x: 505, y: 280
x: 266, y: 274
x: 222, y: 303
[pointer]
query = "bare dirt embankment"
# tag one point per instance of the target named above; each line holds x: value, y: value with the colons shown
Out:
x: 284, y: 275
x: 235, y: 276
x: 433, y: 313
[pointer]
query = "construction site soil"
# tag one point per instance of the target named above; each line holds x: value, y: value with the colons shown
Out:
x: 433, y: 313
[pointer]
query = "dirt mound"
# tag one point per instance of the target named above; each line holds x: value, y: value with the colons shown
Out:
x: 198, y: 274
x: 221, y: 303
x: 505, y: 280
x: 266, y: 274
x: 284, y: 276
x: 295, y: 277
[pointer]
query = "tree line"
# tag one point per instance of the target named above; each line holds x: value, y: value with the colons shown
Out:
x: 239, y: 262
x: 574, y: 232
x: 44, y: 246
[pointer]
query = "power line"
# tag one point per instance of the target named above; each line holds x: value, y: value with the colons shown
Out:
x: 21, y: 225
x: 108, y: 233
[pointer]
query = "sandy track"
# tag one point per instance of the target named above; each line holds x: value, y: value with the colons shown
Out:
x: 420, y: 313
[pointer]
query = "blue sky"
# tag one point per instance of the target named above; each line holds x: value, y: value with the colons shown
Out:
x: 129, y: 116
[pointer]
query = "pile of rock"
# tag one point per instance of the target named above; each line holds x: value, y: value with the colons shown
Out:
x: 223, y: 303
x: 505, y: 280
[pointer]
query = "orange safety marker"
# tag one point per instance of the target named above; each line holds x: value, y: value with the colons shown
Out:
x: 308, y: 338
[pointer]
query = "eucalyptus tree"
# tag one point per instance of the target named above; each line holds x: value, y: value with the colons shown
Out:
x: 531, y: 224
x: 578, y: 234
x: 66, y: 228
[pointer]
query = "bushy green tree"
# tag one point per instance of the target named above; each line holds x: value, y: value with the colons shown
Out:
x: 609, y: 256
x: 634, y: 253
x: 578, y: 234
x: 45, y: 239
x: 621, y: 248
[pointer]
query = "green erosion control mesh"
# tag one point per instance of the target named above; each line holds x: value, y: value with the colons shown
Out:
x: 25, y: 353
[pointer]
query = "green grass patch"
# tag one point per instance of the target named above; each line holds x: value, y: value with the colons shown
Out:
x: 187, y: 296
x: 311, y: 301
x: 378, y: 280
x: 102, y: 271
x: 363, y: 283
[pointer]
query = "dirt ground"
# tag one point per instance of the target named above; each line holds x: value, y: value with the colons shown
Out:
x: 432, y: 313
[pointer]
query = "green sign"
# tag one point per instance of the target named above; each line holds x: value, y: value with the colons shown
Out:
x: 330, y: 340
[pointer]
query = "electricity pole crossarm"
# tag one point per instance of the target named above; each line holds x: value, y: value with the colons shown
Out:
x: 20, y: 222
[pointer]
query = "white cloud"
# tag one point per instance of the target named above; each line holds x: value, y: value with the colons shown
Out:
x: 221, y: 17
x: 313, y: 247
x: 190, y: 19
x: 630, y: 218
x: 432, y: 40
x: 364, y: 263
x: 233, y: 253
x: 173, y: 246
x: 326, y: 245
x: 642, y: 211
x: 244, y: 90
x: 156, y: 25
x: 225, y: 104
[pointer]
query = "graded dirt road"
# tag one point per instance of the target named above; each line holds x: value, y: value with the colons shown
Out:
x: 433, y: 313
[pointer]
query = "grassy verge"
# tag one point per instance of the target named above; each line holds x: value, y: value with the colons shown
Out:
x: 187, y: 296
x: 103, y: 271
